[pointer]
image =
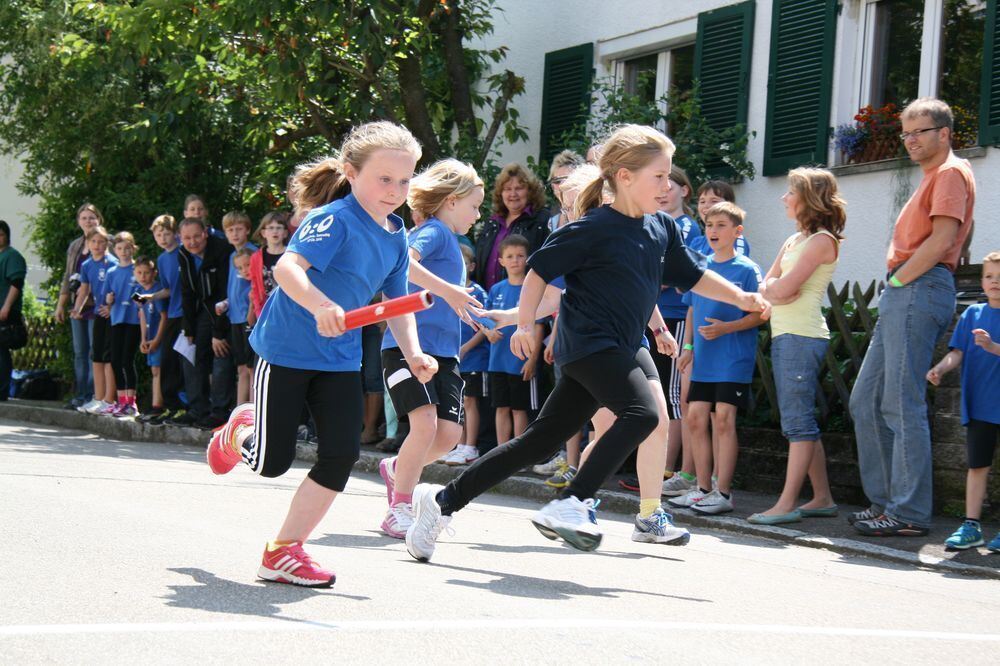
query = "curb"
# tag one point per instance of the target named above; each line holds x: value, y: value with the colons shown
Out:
x: 518, y: 486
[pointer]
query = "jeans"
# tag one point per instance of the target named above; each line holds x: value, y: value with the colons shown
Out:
x: 889, y: 400
x: 796, y: 360
x: 83, y: 380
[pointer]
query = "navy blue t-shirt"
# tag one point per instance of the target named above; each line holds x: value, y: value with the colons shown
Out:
x: 170, y: 275
x: 980, y: 368
x: 476, y: 359
x: 504, y: 295
x: 670, y: 303
x: 121, y: 283
x: 352, y: 258
x: 614, y: 266
x: 438, y: 327
x: 728, y: 358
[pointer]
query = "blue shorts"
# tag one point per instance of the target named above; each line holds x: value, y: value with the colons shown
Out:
x: 153, y: 357
x: 797, y: 360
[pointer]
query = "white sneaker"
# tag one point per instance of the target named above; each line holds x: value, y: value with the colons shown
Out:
x: 713, y: 503
x: 552, y: 466
x: 687, y: 499
x: 397, y: 520
x: 461, y: 455
x: 677, y: 485
x: 97, y: 407
x: 87, y: 406
x: 570, y: 520
x: 428, y: 522
x: 659, y: 528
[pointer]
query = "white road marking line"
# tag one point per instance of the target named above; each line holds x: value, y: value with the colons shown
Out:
x: 452, y: 626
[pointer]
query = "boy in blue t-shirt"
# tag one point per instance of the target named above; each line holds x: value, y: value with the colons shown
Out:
x: 513, y: 385
x: 474, y: 361
x: 720, y: 358
x: 975, y: 345
x: 164, y: 230
x: 152, y: 327
x: 237, y: 227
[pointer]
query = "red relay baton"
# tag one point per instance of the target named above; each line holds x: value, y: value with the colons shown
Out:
x: 394, y: 307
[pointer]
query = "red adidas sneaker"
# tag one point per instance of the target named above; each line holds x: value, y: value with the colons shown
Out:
x: 291, y: 564
x: 223, y: 450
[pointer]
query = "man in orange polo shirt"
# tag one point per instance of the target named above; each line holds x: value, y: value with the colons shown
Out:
x: 888, y: 402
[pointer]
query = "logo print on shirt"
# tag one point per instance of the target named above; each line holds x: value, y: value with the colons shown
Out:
x: 314, y: 230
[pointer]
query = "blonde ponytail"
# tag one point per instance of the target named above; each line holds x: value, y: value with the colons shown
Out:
x: 591, y: 197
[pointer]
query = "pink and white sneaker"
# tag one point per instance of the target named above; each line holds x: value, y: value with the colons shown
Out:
x: 291, y: 564
x: 397, y: 520
x: 223, y: 452
x: 113, y: 409
x: 387, y: 470
x: 127, y: 410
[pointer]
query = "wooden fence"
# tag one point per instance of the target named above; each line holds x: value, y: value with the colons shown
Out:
x: 851, y: 320
x: 43, y: 344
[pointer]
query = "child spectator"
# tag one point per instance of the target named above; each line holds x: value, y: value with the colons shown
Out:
x: 272, y: 233
x: 513, y: 385
x: 975, y: 345
x: 194, y: 207
x: 94, y: 281
x: 124, y: 327
x: 710, y: 193
x: 174, y: 366
x: 236, y: 224
x: 152, y: 328
x: 204, y: 274
x: 723, y: 356
x: 474, y: 357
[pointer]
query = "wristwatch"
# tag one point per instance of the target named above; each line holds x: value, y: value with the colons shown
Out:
x: 660, y: 331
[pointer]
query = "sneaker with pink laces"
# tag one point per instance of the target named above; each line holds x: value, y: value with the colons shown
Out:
x: 292, y: 564
x: 223, y: 452
x: 397, y: 520
x: 127, y: 410
x: 112, y: 409
x: 387, y: 470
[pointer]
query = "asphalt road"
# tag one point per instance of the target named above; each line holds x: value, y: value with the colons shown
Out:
x: 118, y: 552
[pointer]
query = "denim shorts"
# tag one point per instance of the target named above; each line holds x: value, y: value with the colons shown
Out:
x: 797, y: 360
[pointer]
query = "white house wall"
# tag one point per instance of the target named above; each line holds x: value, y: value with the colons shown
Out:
x: 530, y: 29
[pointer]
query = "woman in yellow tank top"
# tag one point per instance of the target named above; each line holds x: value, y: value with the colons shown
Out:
x: 795, y: 286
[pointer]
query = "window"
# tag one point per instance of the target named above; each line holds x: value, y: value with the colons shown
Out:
x: 650, y: 77
x: 961, y: 66
x: 895, y: 73
x: 640, y: 77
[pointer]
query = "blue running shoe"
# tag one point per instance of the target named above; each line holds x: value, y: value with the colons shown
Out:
x: 968, y: 535
x: 659, y: 528
x: 592, y: 511
x: 994, y: 545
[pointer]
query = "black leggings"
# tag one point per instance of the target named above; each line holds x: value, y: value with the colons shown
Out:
x: 335, y: 401
x: 610, y: 378
x: 124, y: 345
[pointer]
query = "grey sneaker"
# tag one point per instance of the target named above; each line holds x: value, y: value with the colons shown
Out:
x: 428, y: 522
x: 687, y: 499
x: 713, y: 503
x: 659, y: 528
x: 677, y: 485
x: 551, y: 467
x: 871, y: 513
x: 570, y: 520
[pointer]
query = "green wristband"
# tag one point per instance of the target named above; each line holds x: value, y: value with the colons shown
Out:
x: 894, y: 281
x: 688, y: 346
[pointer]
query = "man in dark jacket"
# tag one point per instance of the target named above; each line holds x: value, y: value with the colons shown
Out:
x: 204, y: 275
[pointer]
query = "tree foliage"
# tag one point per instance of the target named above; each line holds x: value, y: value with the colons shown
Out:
x: 133, y: 104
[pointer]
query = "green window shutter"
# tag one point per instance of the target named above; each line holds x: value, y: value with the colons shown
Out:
x: 566, y: 94
x: 799, y: 84
x: 722, y: 63
x: 989, y: 110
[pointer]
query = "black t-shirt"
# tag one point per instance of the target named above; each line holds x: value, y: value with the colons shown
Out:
x: 615, y: 267
x: 270, y: 260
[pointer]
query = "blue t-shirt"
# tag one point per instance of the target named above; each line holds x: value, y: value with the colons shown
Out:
x: 152, y: 309
x: 170, y: 276
x: 238, y: 292
x: 670, y: 303
x: 95, y: 273
x: 504, y: 295
x: 121, y: 282
x: 438, y: 327
x: 980, y: 368
x: 352, y: 258
x: 476, y: 359
x: 741, y: 245
x: 614, y: 267
x: 729, y: 358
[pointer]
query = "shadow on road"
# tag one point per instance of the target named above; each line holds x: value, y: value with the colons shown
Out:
x: 68, y: 443
x: 219, y: 595
x: 515, y: 585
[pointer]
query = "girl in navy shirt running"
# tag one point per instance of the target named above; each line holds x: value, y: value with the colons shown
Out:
x: 615, y: 259
x: 349, y: 247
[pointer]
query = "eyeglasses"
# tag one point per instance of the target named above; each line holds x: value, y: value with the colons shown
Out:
x: 915, y: 133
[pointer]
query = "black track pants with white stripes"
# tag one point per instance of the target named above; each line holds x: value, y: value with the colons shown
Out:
x: 335, y: 401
